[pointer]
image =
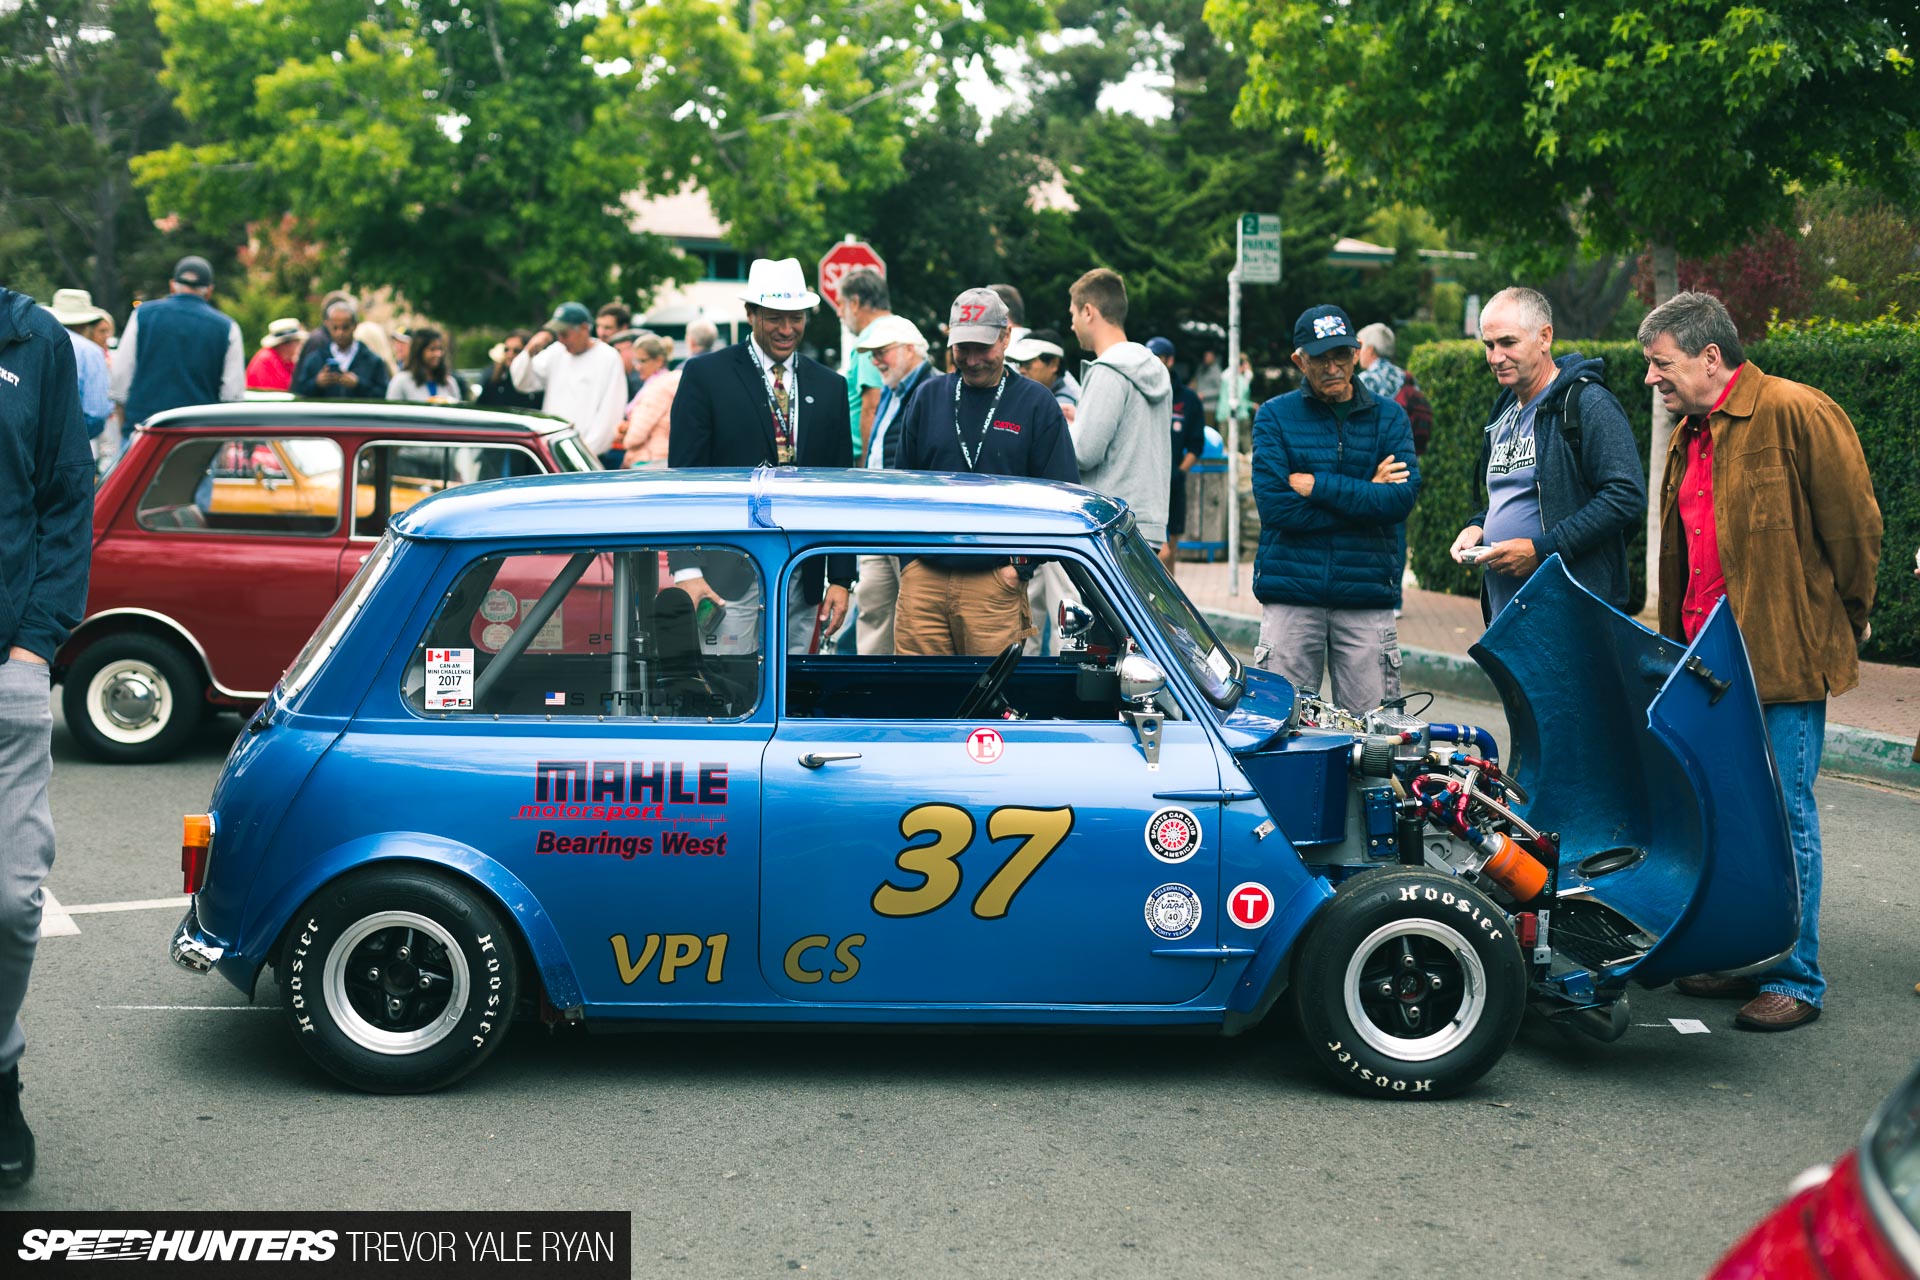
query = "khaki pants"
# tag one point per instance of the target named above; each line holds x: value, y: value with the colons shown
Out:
x: 1358, y: 648
x: 947, y: 611
x: 874, y: 596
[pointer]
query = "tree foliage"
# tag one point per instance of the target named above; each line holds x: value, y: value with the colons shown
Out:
x: 447, y: 149
x: 792, y: 114
x: 1679, y: 124
x: 78, y: 99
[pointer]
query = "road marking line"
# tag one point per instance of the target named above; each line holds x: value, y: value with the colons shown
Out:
x: 144, y: 904
x: 197, y: 1008
x: 54, y: 920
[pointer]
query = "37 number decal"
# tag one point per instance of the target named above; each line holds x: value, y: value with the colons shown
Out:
x: 1040, y: 832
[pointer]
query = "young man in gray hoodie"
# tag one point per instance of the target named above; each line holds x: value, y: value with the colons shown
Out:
x: 1123, y: 432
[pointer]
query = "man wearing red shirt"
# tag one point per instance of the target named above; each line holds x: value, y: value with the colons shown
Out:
x: 1768, y: 504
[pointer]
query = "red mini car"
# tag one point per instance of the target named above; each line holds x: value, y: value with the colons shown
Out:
x: 1859, y: 1220
x: 224, y: 534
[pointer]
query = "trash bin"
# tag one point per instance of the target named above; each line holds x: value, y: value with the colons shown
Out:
x: 1206, y: 527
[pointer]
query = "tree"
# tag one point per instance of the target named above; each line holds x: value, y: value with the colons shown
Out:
x: 78, y: 99
x: 1678, y: 127
x: 444, y: 148
x: 791, y: 114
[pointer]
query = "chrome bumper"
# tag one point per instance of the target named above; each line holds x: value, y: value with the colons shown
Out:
x: 191, y: 949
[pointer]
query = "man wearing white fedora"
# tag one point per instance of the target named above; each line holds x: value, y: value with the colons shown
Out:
x: 271, y: 368
x: 74, y: 308
x: 762, y: 403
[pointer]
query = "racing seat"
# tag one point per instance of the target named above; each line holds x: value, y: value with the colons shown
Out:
x: 684, y: 686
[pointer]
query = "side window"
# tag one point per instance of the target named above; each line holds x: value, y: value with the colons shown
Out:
x: 241, y: 484
x: 930, y: 641
x: 590, y: 633
x: 389, y: 478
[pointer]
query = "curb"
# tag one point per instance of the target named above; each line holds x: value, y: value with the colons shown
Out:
x: 1858, y: 753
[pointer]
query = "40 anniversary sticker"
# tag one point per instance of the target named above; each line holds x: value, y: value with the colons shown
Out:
x: 1173, y: 911
x: 1173, y: 834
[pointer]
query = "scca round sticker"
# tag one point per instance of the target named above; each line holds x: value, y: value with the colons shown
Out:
x: 1173, y: 911
x: 1173, y: 835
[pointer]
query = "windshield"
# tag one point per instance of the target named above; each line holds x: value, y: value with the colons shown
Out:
x: 1893, y: 1160
x: 571, y: 453
x: 335, y: 624
x: 1216, y: 671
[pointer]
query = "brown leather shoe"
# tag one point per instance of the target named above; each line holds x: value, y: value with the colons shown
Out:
x: 1713, y: 987
x: 1771, y: 1011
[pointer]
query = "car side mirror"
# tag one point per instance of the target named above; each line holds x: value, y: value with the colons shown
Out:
x: 1073, y: 620
x: 1141, y: 680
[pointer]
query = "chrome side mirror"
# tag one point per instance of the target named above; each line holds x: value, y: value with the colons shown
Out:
x: 1141, y: 680
x: 1074, y: 619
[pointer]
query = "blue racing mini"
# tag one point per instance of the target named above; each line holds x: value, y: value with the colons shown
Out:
x: 531, y: 766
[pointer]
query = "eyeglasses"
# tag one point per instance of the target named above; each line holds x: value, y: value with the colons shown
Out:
x: 1339, y: 357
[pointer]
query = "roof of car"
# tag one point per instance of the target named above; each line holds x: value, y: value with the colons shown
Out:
x: 718, y: 500
x: 354, y: 415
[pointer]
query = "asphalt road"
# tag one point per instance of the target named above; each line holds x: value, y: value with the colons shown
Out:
x: 884, y: 1156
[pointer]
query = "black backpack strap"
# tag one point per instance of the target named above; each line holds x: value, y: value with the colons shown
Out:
x: 1570, y: 419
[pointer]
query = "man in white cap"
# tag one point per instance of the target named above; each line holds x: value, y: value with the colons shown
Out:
x: 74, y: 308
x: 1040, y: 356
x: 762, y: 403
x: 271, y: 368
x: 178, y: 350
x: 898, y: 351
x: 582, y: 378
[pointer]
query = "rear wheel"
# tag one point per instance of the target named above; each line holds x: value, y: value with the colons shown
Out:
x: 399, y: 981
x: 133, y: 699
x: 1409, y: 984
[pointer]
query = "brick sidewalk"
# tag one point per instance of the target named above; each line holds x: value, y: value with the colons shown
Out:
x: 1886, y: 701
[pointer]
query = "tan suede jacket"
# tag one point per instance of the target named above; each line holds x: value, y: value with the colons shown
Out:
x: 1799, y: 534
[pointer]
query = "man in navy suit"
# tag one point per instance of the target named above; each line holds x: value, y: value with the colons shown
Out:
x: 762, y: 403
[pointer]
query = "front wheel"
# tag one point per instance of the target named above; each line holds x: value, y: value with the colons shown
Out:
x: 133, y: 699
x: 398, y: 981
x: 1409, y: 984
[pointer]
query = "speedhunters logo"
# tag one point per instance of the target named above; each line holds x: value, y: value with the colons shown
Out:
x: 105, y: 1244
x: 614, y: 790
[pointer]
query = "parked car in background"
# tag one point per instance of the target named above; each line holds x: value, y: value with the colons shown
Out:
x: 1858, y: 1219
x: 519, y: 771
x: 225, y: 533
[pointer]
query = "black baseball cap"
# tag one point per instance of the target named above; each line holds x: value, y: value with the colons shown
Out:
x: 1322, y: 329
x: 195, y: 271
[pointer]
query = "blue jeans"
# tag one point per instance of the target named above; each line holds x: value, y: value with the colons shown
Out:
x: 1798, y: 731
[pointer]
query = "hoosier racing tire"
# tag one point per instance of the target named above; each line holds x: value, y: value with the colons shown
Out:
x: 1409, y: 984
x: 398, y: 980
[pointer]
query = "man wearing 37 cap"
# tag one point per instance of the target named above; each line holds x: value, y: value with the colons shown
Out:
x: 762, y: 403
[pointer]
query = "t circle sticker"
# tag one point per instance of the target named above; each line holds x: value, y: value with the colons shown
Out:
x: 1250, y: 904
x: 1173, y: 911
x: 1173, y: 834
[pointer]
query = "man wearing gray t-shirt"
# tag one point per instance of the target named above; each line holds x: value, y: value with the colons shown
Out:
x: 1560, y: 467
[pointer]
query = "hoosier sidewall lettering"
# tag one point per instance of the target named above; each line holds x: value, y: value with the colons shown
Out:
x: 483, y: 938
x: 1360, y: 907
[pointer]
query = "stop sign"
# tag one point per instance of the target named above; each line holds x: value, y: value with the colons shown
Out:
x: 842, y: 258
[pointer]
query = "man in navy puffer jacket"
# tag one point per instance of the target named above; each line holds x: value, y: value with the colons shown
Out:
x: 1333, y: 473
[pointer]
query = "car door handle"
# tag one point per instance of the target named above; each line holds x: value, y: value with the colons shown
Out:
x: 814, y: 759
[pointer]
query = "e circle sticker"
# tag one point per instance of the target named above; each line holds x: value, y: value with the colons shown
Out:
x: 985, y: 745
x: 499, y: 606
x: 1173, y: 835
x: 1173, y: 911
x: 1250, y: 904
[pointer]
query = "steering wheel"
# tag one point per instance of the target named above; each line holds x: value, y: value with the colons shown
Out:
x: 986, y: 690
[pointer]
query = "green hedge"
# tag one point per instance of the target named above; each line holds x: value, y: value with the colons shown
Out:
x: 1872, y: 371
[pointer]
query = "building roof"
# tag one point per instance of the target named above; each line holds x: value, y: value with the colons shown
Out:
x: 613, y: 504
x: 685, y: 215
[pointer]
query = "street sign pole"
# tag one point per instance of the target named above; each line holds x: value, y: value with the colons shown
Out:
x: 1256, y: 260
x: 1233, y: 432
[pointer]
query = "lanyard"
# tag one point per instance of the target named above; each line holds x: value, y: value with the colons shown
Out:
x: 986, y: 424
x: 792, y: 420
